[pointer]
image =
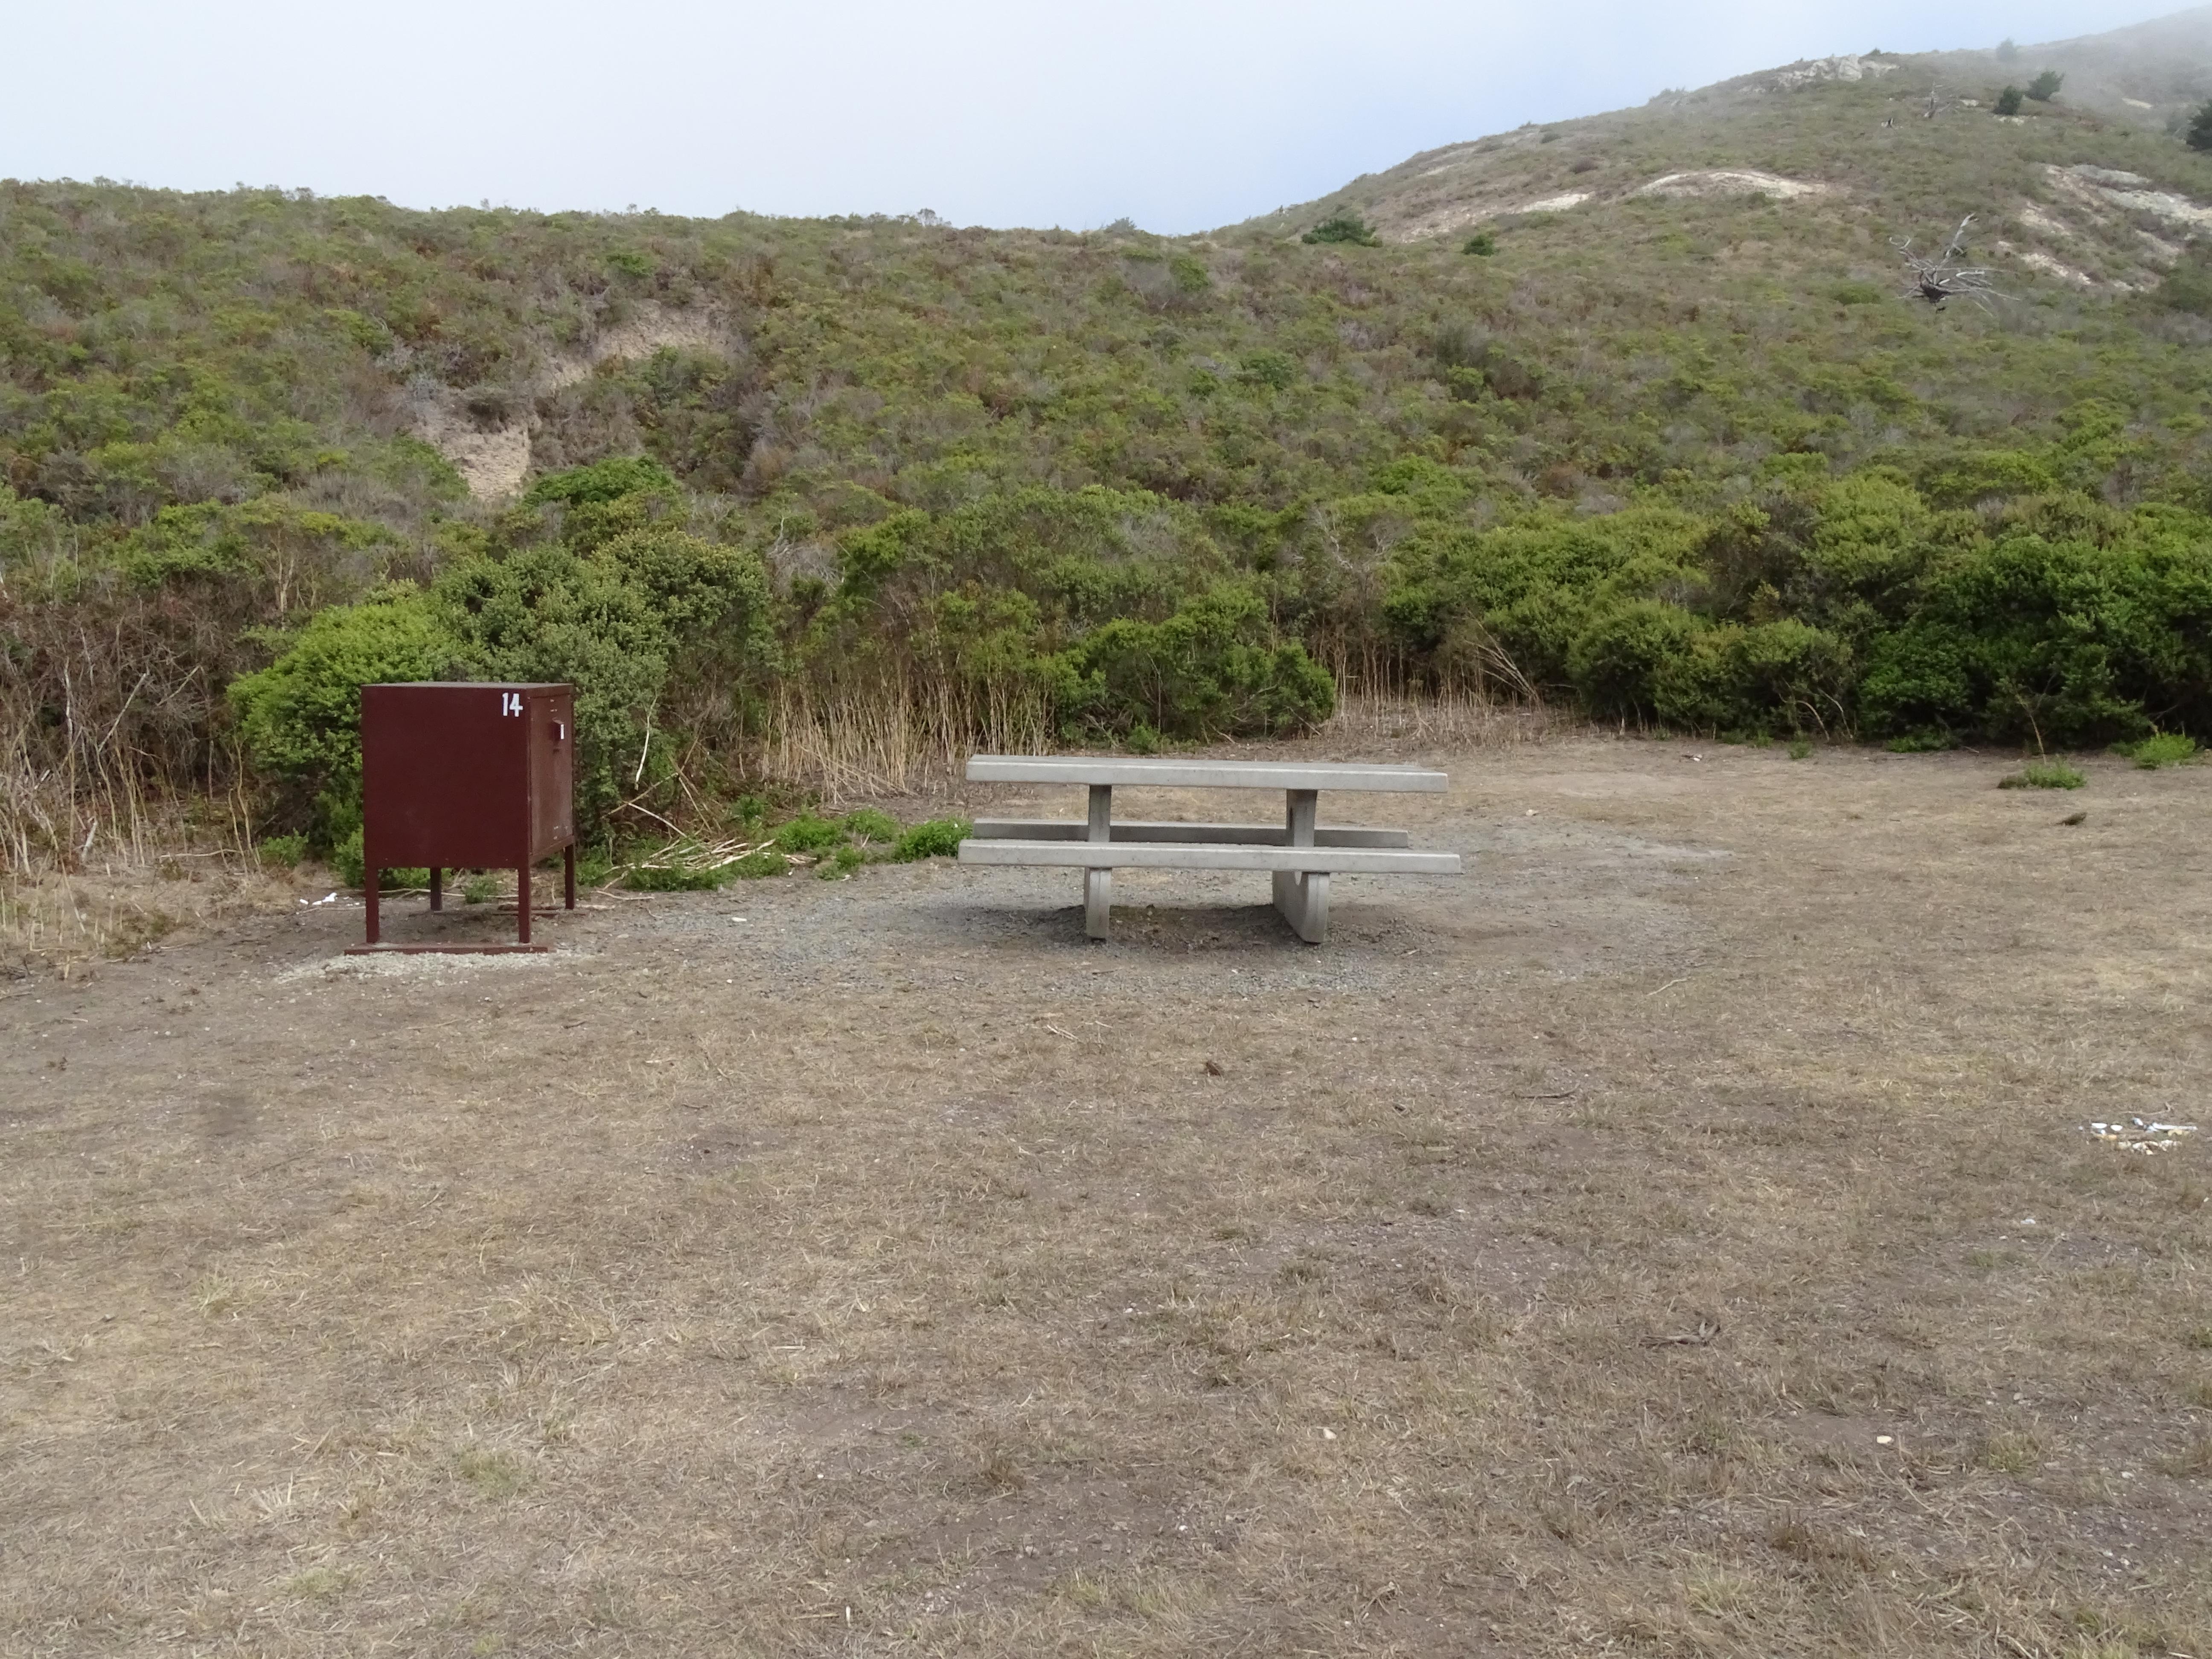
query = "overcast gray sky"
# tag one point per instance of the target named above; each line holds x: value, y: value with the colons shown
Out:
x: 1181, y: 114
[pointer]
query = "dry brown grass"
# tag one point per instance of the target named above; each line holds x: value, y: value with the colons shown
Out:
x: 1624, y: 1249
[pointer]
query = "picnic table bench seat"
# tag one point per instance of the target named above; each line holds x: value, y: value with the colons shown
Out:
x: 1300, y: 853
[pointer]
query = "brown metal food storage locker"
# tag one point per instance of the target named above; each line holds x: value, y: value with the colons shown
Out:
x: 469, y: 775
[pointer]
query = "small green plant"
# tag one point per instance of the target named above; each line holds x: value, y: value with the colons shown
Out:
x: 841, y: 864
x: 808, y: 834
x: 282, y: 852
x: 2043, y: 774
x: 940, y: 838
x: 2009, y: 102
x: 2200, y: 1338
x: 763, y: 861
x: 479, y: 888
x: 1800, y: 748
x: 1343, y: 227
x: 1142, y: 739
x: 2045, y: 87
x: 1482, y: 242
x: 2011, y: 1453
x: 2165, y: 749
x: 869, y: 827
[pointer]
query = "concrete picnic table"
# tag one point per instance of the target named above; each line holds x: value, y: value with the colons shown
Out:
x: 1301, y: 853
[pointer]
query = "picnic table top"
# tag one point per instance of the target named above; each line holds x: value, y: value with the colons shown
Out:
x: 1118, y: 769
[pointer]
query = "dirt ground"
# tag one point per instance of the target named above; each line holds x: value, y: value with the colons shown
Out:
x: 1679, y: 1236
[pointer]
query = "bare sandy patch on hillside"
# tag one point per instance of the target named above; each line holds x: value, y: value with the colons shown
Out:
x: 2103, y: 189
x: 494, y: 462
x: 1734, y: 181
x: 1681, y: 1234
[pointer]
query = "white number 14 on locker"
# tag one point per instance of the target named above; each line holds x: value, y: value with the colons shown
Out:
x: 510, y: 703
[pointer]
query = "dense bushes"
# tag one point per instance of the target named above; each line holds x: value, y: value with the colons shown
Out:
x: 619, y: 610
x: 1214, y: 666
x: 1028, y: 487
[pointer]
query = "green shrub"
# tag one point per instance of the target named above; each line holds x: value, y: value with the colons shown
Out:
x: 1482, y: 242
x: 872, y: 828
x: 282, y: 852
x: 2043, y: 774
x: 1343, y: 227
x: 644, y: 615
x: 760, y: 862
x: 938, y: 838
x: 1617, y: 659
x: 2009, y: 102
x: 301, y: 716
x: 2064, y: 638
x: 1276, y: 370
x: 1800, y: 748
x: 808, y: 834
x: 481, y: 889
x: 1217, y: 667
x: 2045, y: 87
x: 603, y: 481
x: 2199, y: 134
x: 2161, y: 748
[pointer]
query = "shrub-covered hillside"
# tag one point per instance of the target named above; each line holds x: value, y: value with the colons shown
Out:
x: 801, y: 495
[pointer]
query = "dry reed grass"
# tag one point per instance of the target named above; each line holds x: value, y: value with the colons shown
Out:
x: 86, y: 837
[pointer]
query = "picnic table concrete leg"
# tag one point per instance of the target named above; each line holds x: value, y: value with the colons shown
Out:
x: 1302, y: 897
x: 1310, y: 921
x: 1099, y: 885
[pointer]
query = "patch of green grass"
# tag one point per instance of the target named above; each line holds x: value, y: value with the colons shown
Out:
x: 940, y: 838
x: 1800, y: 748
x: 2200, y: 1338
x: 492, y: 1474
x: 808, y: 834
x: 479, y: 888
x: 2043, y: 774
x: 767, y: 861
x: 841, y: 864
x: 676, y: 878
x: 2166, y: 749
x: 316, y: 1583
x: 1921, y: 743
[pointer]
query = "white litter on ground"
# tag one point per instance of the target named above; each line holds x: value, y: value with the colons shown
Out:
x: 2137, y: 1136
